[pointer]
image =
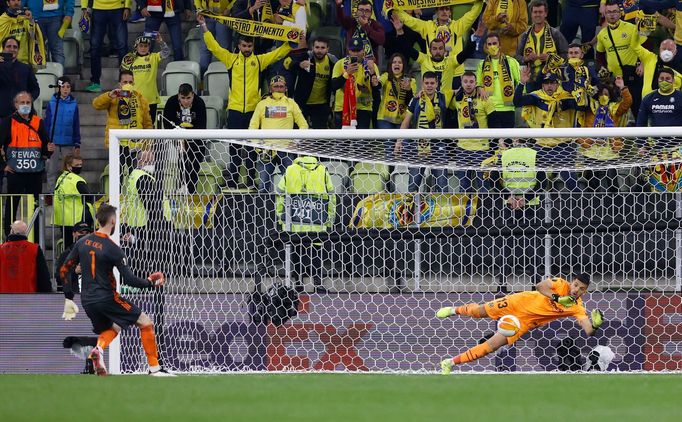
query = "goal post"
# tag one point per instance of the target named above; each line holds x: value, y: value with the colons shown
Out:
x: 401, y: 232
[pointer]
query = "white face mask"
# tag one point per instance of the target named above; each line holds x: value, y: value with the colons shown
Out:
x: 666, y: 55
x: 25, y: 109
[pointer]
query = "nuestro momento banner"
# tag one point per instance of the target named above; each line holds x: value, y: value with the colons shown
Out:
x: 251, y: 28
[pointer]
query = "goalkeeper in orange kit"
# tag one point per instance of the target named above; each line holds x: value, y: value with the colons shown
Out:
x: 553, y: 298
x: 109, y: 312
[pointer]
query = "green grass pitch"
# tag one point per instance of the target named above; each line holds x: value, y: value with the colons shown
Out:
x: 342, y: 397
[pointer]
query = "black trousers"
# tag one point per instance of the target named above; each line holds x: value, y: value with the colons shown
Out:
x: 317, y: 115
x: 240, y: 154
x: 501, y: 119
x: 193, y: 156
x: 20, y: 184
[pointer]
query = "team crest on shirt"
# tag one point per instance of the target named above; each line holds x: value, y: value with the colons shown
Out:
x: 443, y: 33
x: 392, y: 106
x: 253, y: 64
x: 487, y: 80
x: 401, y: 108
x: 508, y: 91
x: 128, y: 59
x: 465, y: 112
x: 388, y: 4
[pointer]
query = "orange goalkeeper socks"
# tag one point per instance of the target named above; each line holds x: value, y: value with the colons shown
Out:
x: 149, y: 345
x: 472, y: 354
x: 470, y: 309
x: 106, y: 337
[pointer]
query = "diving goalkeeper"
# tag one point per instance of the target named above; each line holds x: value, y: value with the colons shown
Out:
x: 97, y: 255
x: 553, y: 298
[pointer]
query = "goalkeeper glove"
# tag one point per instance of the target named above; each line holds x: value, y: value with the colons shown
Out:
x: 567, y: 301
x: 597, y: 318
x: 156, y: 279
x: 70, y: 310
x: 63, y: 28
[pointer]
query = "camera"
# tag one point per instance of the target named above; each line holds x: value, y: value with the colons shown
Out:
x: 22, y: 11
x: 123, y: 94
x: 151, y: 34
x: 354, y: 59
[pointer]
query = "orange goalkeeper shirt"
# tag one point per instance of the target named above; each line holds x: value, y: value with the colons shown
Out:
x: 534, y: 309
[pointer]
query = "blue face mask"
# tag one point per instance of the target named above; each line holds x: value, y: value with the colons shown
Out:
x: 25, y: 109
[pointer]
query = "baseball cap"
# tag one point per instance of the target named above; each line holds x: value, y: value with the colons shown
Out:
x: 277, y: 78
x: 82, y: 226
x: 355, y: 44
x: 549, y: 77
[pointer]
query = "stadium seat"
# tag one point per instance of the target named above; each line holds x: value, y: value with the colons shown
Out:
x: 369, y: 178
x: 73, y: 49
x: 338, y: 170
x: 315, y: 17
x: 38, y: 106
x: 46, y: 77
x: 214, y: 111
x: 217, y: 81
x: 104, y: 180
x: 219, y: 153
x: 178, y: 73
x: 336, y: 42
x: 193, y: 45
x: 159, y: 110
x: 471, y: 64
x: 400, y: 179
x: 210, y: 179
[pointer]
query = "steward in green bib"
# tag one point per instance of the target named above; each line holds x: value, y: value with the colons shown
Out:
x: 306, y: 203
x: 72, y: 199
x: 520, y: 177
x: 141, y: 214
x: 139, y: 191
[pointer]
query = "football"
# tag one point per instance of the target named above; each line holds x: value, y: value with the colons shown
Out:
x: 508, y: 325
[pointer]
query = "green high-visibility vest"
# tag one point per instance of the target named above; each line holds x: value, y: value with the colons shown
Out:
x: 68, y: 202
x: 311, y: 205
x: 518, y: 171
x: 134, y: 214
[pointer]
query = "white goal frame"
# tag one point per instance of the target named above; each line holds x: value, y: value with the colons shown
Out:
x: 244, y: 136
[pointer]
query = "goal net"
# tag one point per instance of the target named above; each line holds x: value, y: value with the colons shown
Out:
x: 345, y: 271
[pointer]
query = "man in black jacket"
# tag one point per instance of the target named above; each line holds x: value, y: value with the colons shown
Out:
x: 187, y: 110
x: 80, y: 229
x: 313, y: 82
x: 15, y: 77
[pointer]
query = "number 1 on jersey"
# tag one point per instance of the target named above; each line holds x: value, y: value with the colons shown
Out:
x: 92, y: 263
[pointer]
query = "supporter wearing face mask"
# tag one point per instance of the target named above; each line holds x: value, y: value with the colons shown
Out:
x: 72, y: 199
x: 26, y: 148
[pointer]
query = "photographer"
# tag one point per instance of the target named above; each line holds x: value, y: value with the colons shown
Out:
x: 127, y: 109
x: 18, y: 22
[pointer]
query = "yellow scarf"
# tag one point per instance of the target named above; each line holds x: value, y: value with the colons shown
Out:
x: 542, y: 44
x: 467, y: 114
x: 271, y: 31
x: 32, y: 46
x: 537, y: 117
x: 427, y: 107
x: 420, y: 4
x: 646, y: 24
x: 506, y: 81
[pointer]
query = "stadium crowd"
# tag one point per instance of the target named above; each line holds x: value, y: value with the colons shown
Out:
x: 461, y: 64
x: 583, y: 63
